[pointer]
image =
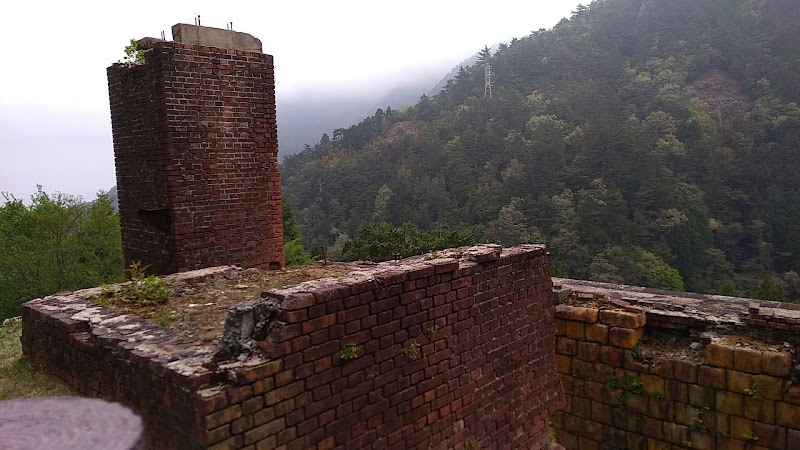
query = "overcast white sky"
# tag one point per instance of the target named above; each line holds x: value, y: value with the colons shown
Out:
x: 55, y: 127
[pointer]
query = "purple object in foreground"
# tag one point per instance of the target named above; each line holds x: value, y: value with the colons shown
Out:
x: 66, y: 423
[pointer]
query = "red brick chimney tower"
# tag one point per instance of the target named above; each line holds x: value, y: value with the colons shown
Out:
x: 196, y: 150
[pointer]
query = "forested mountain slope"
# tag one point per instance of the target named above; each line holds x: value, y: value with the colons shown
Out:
x: 647, y: 142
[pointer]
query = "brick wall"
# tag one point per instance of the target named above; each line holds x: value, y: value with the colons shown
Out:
x: 195, y: 144
x: 629, y: 385
x: 451, y: 352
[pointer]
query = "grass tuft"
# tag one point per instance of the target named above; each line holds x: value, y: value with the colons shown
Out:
x: 18, y: 375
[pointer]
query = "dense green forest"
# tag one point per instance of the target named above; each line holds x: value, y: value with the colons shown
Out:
x: 57, y: 242
x: 647, y: 142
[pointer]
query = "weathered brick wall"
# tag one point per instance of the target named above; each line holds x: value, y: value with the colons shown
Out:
x: 627, y: 388
x: 483, y: 372
x: 105, y: 353
x: 195, y: 143
x: 142, y: 157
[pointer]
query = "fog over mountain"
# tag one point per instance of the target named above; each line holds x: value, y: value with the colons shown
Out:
x: 303, y: 116
x: 302, y: 119
x: 54, y: 116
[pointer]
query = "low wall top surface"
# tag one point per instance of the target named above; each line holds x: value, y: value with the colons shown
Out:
x: 688, y: 309
x: 446, y: 352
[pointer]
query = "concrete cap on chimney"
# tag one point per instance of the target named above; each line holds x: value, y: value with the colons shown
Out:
x: 215, y: 37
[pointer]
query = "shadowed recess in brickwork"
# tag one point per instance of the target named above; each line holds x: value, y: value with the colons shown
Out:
x: 420, y: 353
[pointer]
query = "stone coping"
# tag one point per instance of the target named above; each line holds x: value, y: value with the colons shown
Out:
x: 673, y: 309
x: 170, y: 352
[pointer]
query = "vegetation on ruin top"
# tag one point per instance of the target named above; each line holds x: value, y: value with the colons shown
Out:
x: 199, y: 309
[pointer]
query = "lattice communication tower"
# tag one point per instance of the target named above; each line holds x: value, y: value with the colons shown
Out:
x: 487, y: 80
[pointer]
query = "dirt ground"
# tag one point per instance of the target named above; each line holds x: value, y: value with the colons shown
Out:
x: 199, y: 309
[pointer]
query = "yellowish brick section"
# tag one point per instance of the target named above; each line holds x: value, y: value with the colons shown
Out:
x: 720, y: 355
x: 576, y: 313
x: 624, y: 337
x: 622, y: 319
x: 597, y: 333
x: 777, y: 363
x: 576, y: 330
x: 747, y: 360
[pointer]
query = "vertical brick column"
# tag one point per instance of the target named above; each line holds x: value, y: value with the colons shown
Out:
x: 195, y: 143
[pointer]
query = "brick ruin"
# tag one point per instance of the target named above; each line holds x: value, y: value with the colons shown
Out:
x: 454, y: 352
x: 195, y: 147
x: 640, y: 368
x: 465, y: 351
x: 648, y: 369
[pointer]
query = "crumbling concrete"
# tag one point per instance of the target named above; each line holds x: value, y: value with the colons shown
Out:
x: 215, y: 37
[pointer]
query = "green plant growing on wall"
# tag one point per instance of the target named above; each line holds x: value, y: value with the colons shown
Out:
x: 636, y: 351
x: 133, y: 55
x: 697, y: 422
x: 752, y: 391
x: 412, y: 351
x: 164, y: 319
x: 107, y: 296
x: 432, y: 255
x: 660, y: 396
x: 349, y: 352
x: 551, y: 433
x: 750, y: 435
x: 145, y: 289
x: 622, y: 400
x: 142, y: 289
x: 637, y: 386
x: 471, y: 444
x: 432, y: 331
x: 613, y: 380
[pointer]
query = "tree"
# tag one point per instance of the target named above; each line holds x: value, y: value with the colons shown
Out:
x: 375, y: 241
x: 294, y: 253
x: 483, y: 55
x: 601, y: 269
x: 290, y: 229
x: 57, y: 243
x: 510, y: 227
x: 638, y: 267
x: 381, y: 202
x: 98, y: 242
x: 771, y: 288
x: 382, y: 241
x: 133, y: 55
